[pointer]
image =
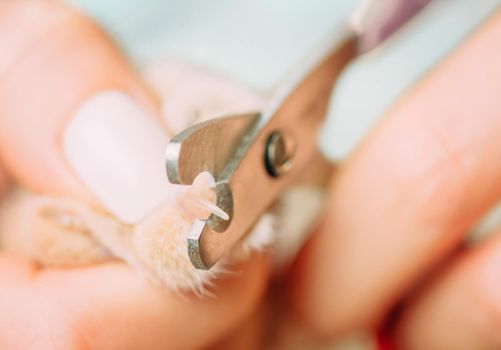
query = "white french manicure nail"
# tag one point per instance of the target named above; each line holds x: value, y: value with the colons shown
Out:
x: 117, y: 149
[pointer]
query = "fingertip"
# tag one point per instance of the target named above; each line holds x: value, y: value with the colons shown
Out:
x: 405, y: 197
x: 54, y: 59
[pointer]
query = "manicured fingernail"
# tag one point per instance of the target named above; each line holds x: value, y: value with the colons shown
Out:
x: 117, y: 150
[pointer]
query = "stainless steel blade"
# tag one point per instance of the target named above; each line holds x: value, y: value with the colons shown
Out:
x: 233, y: 148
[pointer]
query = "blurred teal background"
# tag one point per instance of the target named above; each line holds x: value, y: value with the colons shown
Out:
x: 259, y: 41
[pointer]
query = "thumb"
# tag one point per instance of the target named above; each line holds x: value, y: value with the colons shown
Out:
x: 75, y: 119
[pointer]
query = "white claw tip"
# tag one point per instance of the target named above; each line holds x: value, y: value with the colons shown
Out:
x: 195, y: 197
x: 206, y: 204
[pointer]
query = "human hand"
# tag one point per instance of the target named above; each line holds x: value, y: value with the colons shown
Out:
x: 400, y: 208
x: 54, y: 62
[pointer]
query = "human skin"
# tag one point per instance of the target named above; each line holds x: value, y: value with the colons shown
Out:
x: 404, y: 201
x: 53, y: 58
x: 394, y: 211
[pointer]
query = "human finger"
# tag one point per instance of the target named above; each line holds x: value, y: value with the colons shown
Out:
x: 109, y: 307
x: 75, y: 118
x: 409, y: 193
